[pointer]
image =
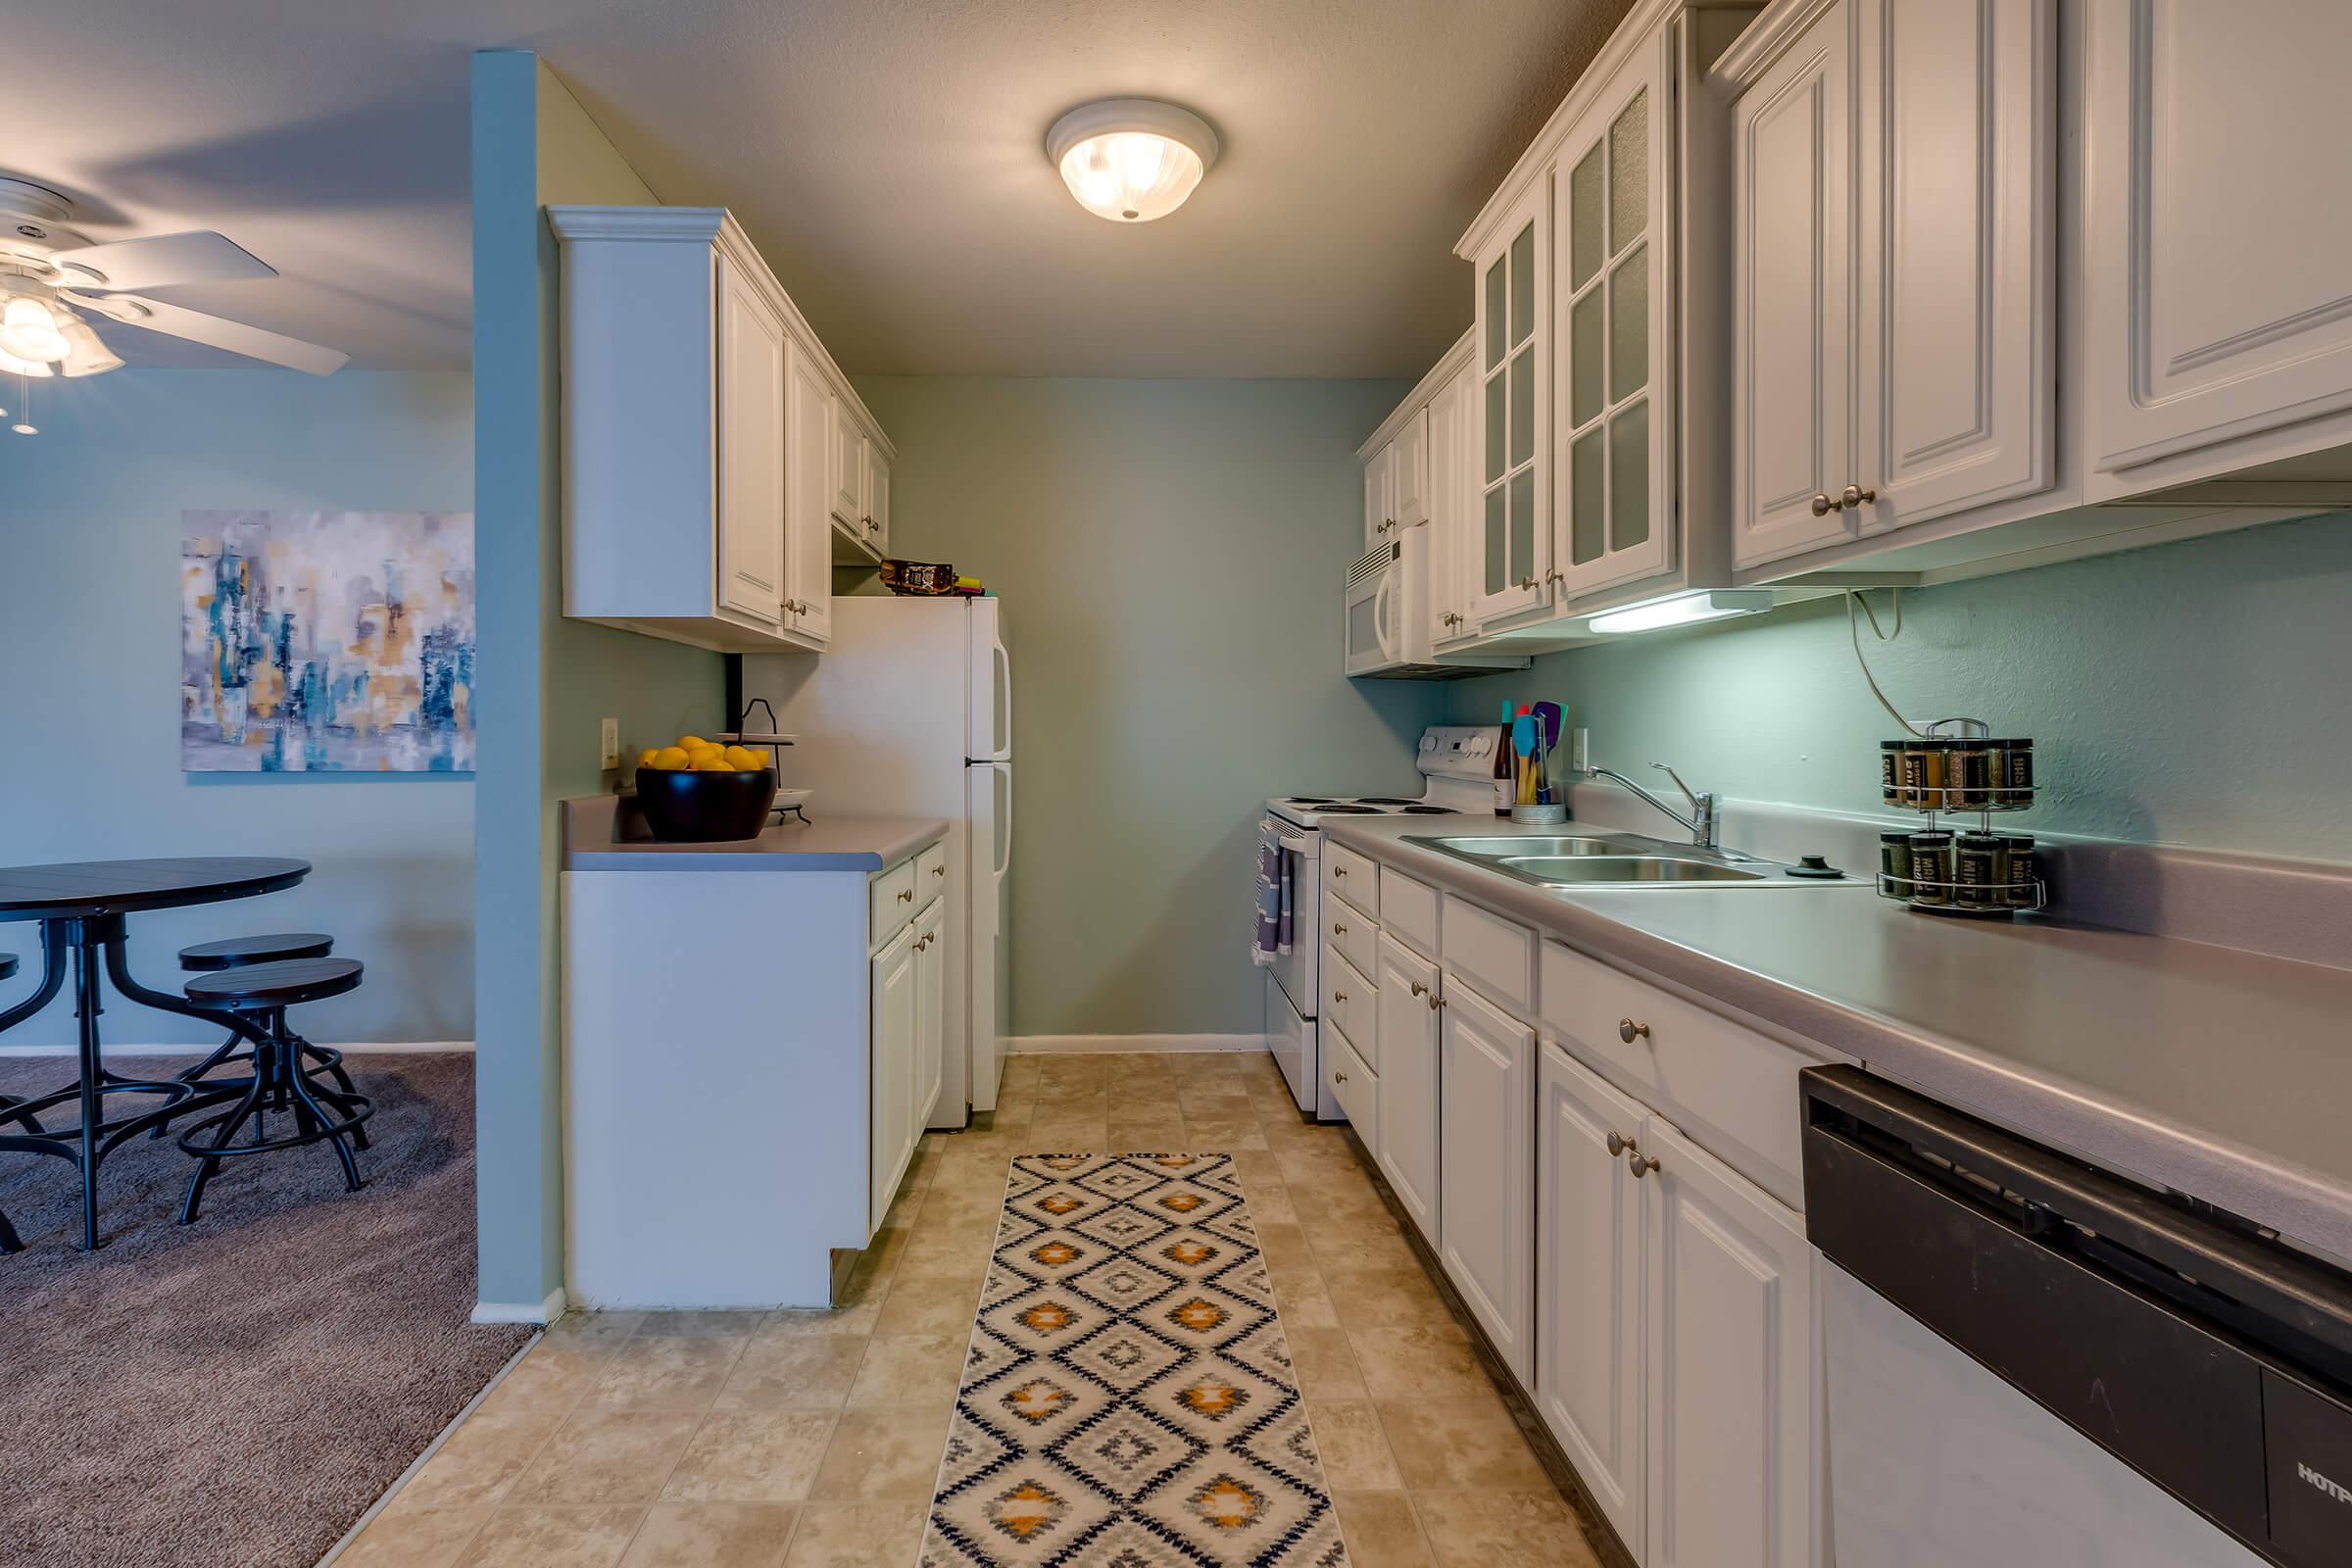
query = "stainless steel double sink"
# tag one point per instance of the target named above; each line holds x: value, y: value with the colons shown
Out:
x: 1613, y: 860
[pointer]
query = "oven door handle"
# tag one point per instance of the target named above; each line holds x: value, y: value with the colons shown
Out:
x: 1290, y: 846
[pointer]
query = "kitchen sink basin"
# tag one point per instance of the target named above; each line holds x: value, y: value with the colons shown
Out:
x: 1617, y: 860
x: 1583, y: 868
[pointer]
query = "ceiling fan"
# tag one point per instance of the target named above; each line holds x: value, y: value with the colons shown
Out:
x: 52, y: 276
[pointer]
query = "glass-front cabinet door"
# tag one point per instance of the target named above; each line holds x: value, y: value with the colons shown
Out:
x: 1514, y: 376
x: 1612, y: 512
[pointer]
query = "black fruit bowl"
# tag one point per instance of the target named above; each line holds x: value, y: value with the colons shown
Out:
x: 683, y: 807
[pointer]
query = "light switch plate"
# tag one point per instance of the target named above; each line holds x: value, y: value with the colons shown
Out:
x: 608, y: 741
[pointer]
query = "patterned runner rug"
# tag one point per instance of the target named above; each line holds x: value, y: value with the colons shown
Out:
x: 1128, y: 1400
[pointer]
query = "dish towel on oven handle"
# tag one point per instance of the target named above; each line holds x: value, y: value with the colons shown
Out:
x: 1276, y: 889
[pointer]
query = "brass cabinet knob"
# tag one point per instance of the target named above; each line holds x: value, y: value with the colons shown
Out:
x: 1618, y: 1145
x: 906, y: 897
x: 1436, y: 1001
x: 1856, y: 496
x: 1338, y: 996
x: 1823, y: 506
x: 1527, y: 582
x: 939, y: 870
x: 1339, y: 1077
x: 1339, y: 930
x: 1630, y: 1031
x: 1642, y: 1163
x: 1419, y: 990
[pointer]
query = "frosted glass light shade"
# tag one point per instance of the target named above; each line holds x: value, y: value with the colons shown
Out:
x: 89, y: 356
x: 29, y: 331
x: 10, y: 364
x: 1131, y: 159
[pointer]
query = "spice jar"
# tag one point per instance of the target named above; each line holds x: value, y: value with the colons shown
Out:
x: 1969, y: 771
x: 1925, y: 764
x: 1891, y: 771
x: 1894, y: 865
x: 2012, y: 774
x: 2025, y: 869
x: 1981, y: 870
x: 1931, y: 868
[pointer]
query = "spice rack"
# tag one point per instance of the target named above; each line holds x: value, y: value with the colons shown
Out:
x: 1957, y: 768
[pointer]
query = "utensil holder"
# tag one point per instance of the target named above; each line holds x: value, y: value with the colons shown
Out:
x: 1540, y: 816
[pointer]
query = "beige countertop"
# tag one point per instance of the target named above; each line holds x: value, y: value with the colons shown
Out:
x: 2227, y: 1075
x: 605, y: 833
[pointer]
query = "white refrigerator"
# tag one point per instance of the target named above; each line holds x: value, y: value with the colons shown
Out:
x: 908, y: 713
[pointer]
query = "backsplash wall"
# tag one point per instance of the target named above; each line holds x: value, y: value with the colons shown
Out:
x: 2190, y: 694
x: 1171, y: 556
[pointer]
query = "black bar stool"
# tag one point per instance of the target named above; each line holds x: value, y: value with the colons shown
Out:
x: 263, y: 992
x: 239, y: 952
x: 9, y: 1240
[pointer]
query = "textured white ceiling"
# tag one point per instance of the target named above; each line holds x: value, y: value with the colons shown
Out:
x: 885, y: 155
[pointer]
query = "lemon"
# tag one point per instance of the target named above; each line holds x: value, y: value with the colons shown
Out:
x: 715, y: 765
x: 690, y: 743
x: 745, y: 760
x: 645, y: 758
x: 671, y: 758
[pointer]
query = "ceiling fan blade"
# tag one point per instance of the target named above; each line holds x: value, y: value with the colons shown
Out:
x: 162, y: 261
x: 213, y: 331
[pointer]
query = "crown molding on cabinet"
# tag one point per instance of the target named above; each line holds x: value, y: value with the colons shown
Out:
x: 715, y: 226
x: 1454, y: 359
x: 1761, y: 43
x: 1631, y: 33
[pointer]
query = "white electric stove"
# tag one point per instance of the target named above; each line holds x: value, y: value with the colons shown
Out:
x: 1457, y: 764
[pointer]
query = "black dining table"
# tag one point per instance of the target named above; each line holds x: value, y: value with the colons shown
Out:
x: 82, y: 909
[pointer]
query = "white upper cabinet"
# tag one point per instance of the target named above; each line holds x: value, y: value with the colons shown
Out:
x: 1409, y: 471
x: 751, y: 449
x: 1380, y: 495
x: 808, y: 445
x: 2218, y: 235
x: 1893, y: 270
x: 1955, y: 129
x: 698, y: 415
x: 1793, y: 300
x: 1614, y: 401
x: 1513, y: 395
x: 1449, y: 565
x: 849, y: 472
x: 876, y: 521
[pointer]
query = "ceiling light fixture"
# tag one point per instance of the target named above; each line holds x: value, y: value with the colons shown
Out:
x: 29, y: 331
x: 1131, y: 159
x: 1684, y: 609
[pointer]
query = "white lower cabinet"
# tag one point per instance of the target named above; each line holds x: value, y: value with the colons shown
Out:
x: 1407, y: 1144
x: 930, y: 1015
x: 1589, y: 1383
x: 895, y: 1030
x: 1485, y: 1180
x: 1731, y: 1402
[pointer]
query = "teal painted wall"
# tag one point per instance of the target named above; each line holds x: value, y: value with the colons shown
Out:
x: 1171, y: 557
x: 545, y: 680
x: 89, y: 633
x: 2190, y: 694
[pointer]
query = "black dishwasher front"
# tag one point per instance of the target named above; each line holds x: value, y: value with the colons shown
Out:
x: 2210, y: 1358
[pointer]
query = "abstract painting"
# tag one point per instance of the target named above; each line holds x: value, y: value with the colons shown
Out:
x: 326, y: 642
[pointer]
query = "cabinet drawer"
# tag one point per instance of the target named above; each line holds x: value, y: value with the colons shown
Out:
x: 1730, y: 1089
x: 1353, y: 877
x: 931, y: 873
x: 1353, y: 1085
x: 1409, y: 912
x: 1346, y: 931
x: 1498, y: 954
x: 1353, y: 1003
x: 893, y: 896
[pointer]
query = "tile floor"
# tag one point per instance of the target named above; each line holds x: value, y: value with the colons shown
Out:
x: 811, y: 1438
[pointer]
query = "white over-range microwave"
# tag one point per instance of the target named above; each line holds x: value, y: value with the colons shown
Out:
x: 1388, y: 618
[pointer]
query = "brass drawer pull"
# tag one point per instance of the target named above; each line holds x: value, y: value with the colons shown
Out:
x: 906, y: 897
x: 1823, y: 506
x: 1630, y: 1031
x: 1618, y: 1144
x: 1419, y: 990
x: 1856, y: 496
x: 1642, y: 1164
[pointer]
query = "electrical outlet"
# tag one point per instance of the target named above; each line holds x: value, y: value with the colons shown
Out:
x: 608, y: 741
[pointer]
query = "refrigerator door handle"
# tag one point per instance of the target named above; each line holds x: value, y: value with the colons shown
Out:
x: 1003, y: 677
x: 1004, y: 838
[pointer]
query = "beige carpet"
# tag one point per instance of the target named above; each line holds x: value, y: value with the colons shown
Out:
x: 237, y: 1392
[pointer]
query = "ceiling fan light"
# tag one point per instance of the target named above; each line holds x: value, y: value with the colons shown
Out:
x: 1131, y: 159
x: 10, y: 364
x: 29, y: 331
x: 89, y: 354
